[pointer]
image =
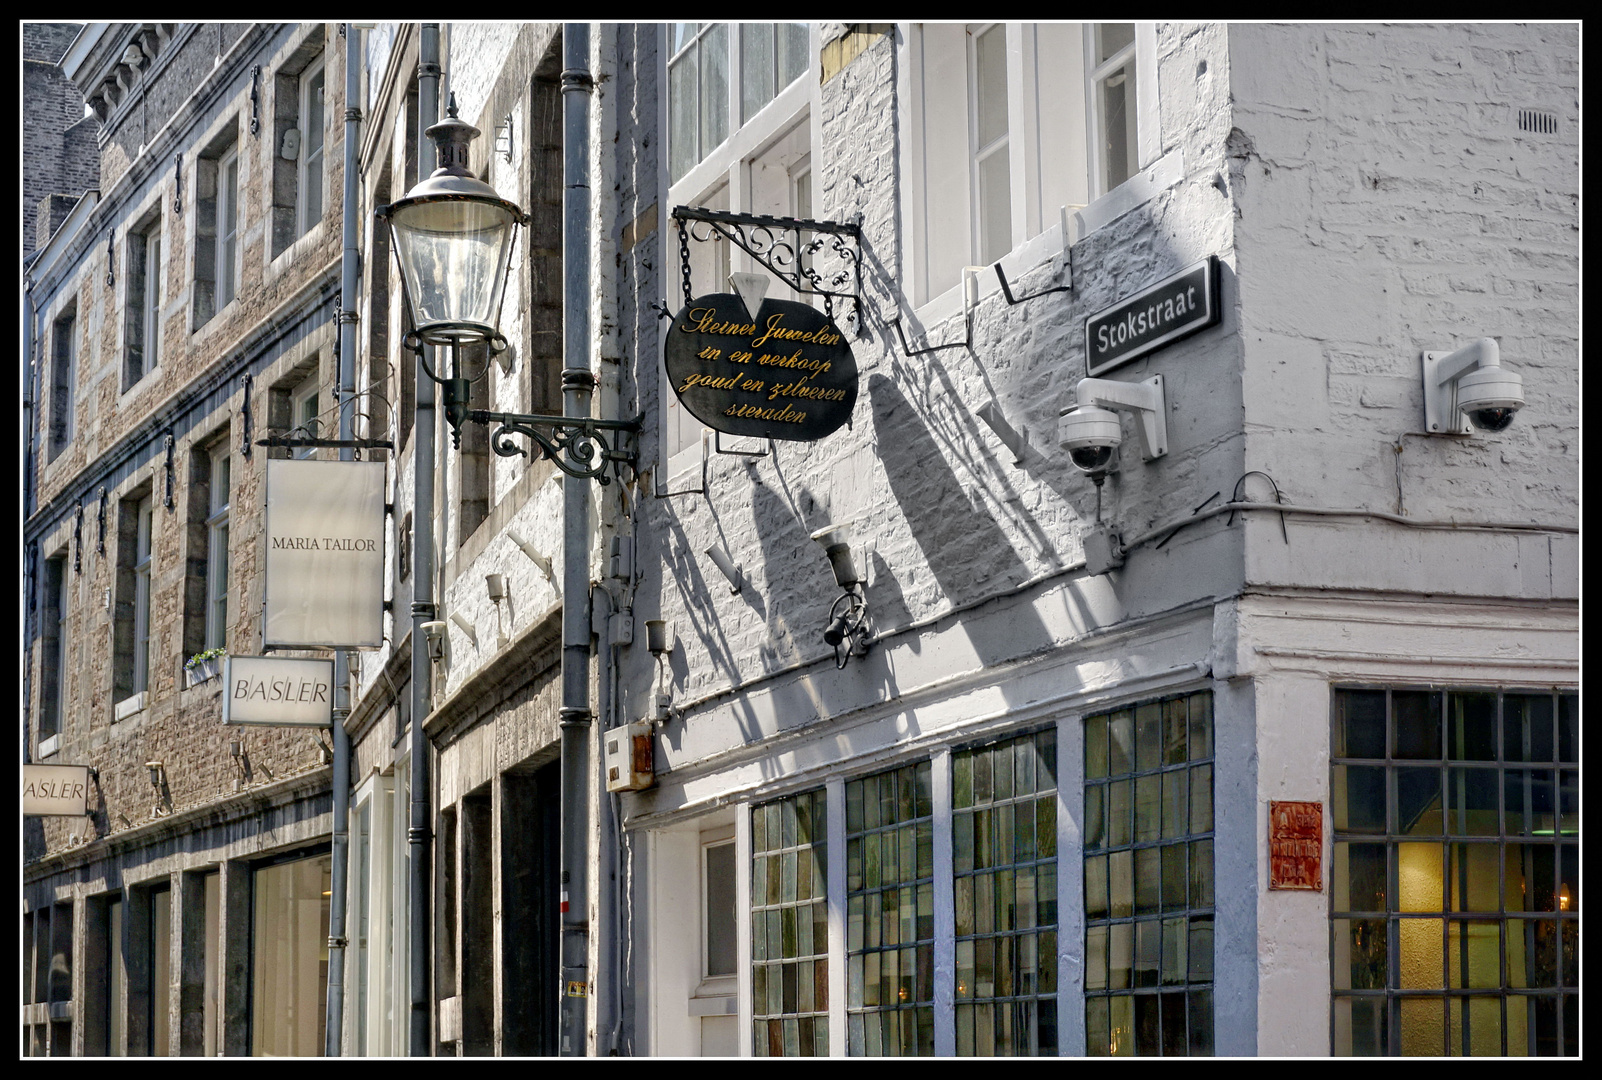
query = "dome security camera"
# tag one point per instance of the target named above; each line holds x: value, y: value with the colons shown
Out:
x: 1470, y: 382
x: 1091, y: 437
x: 1091, y: 432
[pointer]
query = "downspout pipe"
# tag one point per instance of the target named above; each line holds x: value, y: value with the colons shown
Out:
x: 423, y: 610
x: 349, y: 219
x: 578, y: 383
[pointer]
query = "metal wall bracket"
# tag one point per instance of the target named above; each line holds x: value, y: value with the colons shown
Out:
x: 167, y: 501
x: 1006, y: 290
x: 776, y: 243
x: 244, y: 442
x: 579, y: 446
x: 965, y: 343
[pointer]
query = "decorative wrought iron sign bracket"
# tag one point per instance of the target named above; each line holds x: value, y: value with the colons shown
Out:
x: 579, y: 446
x: 776, y: 243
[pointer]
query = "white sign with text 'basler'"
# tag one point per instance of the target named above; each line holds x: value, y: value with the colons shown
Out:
x: 278, y: 691
x: 55, y: 790
x: 325, y: 554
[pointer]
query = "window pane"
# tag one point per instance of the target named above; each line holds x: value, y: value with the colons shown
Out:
x: 756, y: 68
x: 289, y: 958
x: 1167, y: 890
x: 714, y: 88
x: 789, y: 927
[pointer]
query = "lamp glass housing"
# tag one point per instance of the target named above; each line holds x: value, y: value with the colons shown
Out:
x: 454, y: 253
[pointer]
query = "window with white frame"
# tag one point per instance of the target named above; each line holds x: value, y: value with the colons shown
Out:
x: 304, y: 402
x: 1014, y: 127
x: 145, y: 519
x: 739, y: 139
x: 1112, y: 114
x: 216, y: 225
x: 217, y: 548
x: 63, y: 377
x: 227, y: 262
x: 142, y: 347
x: 309, y: 186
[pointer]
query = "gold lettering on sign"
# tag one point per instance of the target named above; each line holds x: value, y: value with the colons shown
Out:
x: 820, y: 336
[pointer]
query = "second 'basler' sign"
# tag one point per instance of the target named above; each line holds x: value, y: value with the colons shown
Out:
x: 1175, y: 307
x: 785, y: 373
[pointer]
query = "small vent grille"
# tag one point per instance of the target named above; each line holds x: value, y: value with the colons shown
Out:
x: 1541, y: 123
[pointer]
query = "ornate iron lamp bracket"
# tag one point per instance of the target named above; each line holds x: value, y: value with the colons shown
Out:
x: 582, y: 447
x: 777, y: 243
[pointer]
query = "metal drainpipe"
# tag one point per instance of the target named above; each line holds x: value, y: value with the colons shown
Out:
x: 578, y: 382
x: 333, y: 1039
x: 423, y: 609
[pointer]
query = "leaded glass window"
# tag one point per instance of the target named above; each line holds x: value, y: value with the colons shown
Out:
x: 1455, y: 881
x: 890, y: 913
x: 1148, y: 833
x: 1004, y: 848
x: 790, y: 927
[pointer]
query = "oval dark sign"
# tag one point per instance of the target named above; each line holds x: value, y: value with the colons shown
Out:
x: 787, y: 374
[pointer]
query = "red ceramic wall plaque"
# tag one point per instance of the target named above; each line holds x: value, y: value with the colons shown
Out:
x: 1296, y: 845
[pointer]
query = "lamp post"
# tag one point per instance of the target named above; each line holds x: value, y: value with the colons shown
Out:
x: 453, y: 238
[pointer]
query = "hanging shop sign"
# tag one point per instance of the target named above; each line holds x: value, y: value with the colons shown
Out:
x: 1174, y: 308
x: 1296, y: 845
x: 55, y: 790
x: 786, y: 373
x: 278, y: 691
x: 324, y: 571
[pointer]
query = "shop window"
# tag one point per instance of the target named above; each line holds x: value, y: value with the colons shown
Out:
x: 890, y: 913
x: 1148, y: 835
x: 289, y: 958
x: 158, y: 988
x: 63, y: 378
x: 789, y: 927
x: 116, y: 975
x: 1455, y: 884
x: 1004, y: 861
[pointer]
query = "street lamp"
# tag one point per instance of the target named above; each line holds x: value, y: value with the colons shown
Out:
x: 453, y: 238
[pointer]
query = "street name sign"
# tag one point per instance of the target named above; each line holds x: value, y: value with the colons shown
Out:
x: 1175, y: 307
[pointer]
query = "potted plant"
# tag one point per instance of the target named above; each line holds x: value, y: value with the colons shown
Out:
x: 202, y: 666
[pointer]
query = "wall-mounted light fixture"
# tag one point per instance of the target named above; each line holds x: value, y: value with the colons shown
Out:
x: 728, y: 566
x: 495, y: 585
x: 1013, y: 439
x: 436, y: 639
x: 158, y: 784
x: 848, y: 631
x: 465, y: 627
x: 532, y: 552
x: 659, y: 641
x: 1469, y: 388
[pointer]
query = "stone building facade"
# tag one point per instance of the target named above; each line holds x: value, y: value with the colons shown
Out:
x: 1264, y: 742
x: 173, y: 322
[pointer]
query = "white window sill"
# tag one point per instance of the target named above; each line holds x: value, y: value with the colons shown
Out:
x: 49, y: 746
x: 129, y: 706
x: 1047, y: 245
x: 1133, y: 193
x: 716, y: 996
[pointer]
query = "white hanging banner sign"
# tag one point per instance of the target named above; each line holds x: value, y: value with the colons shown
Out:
x: 55, y: 790
x: 278, y: 691
x: 324, y: 572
